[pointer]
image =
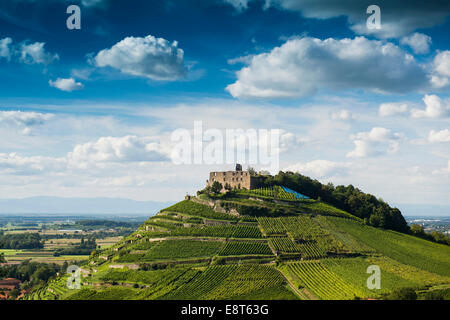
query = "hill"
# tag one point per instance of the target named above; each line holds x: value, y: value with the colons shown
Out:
x: 268, y: 243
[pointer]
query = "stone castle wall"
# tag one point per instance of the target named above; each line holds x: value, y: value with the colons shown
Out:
x: 236, y: 179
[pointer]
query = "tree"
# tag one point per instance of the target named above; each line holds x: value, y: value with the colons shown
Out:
x: 417, y: 230
x: 228, y: 187
x: 216, y: 187
x: 403, y: 294
x: 2, y: 258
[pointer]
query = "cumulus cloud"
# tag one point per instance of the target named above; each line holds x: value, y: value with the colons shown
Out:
x: 320, y: 168
x: 24, y: 120
x: 5, y: 49
x: 13, y: 163
x: 445, y: 170
x: 435, y: 108
x: 397, y: 19
x: 343, y: 115
x: 149, y: 57
x: 239, y: 4
x: 96, y: 154
x: 35, y: 53
x: 67, y: 85
x: 439, y: 136
x: 391, y: 109
x: 418, y: 42
x: 374, y: 142
x: 302, y: 66
x: 25, y: 52
x: 441, y: 67
x: 119, y: 149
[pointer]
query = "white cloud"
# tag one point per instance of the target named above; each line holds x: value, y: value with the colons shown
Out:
x: 13, y: 163
x: 439, y: 136
x: 27, y: 119
x: 391, y: 109
x: 320, y: 168
x: 92, y: 3
x: 445, y: 170
x: 34, y: 53
x: 29, y: 53
x: 5, y: 50
x: 289, y: 141
x: 149, y: 57
x: 105, y: 153
x: 418, y: 42
x: 343, y: 115
x: 67, y: 85
x: 435, y: 108
x: 441, y: 76
x: 303, y: 66
x: 239, y: 4
x: 119, y: 149
x: 397, y: 19
x: 366, y: 143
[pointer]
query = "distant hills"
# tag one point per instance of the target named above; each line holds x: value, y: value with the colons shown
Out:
x: 57, y: 205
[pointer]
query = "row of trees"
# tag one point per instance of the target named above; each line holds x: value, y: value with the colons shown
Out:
x: 435, y: 236
x: 21, y: 241
x: 32, y: 273
x: 85, y: 247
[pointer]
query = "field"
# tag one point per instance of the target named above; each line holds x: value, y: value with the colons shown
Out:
x: 174, y: 249
x: 403, y: 248
x: 234, y: 248
x: 197, y: 209
x: 394, y: 275
x: 234, y: 282
x: 322, y: 282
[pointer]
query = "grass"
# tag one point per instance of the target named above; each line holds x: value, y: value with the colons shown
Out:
x: 401, y: 247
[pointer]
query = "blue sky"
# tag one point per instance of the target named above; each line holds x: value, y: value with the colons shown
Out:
x: 90, y: 112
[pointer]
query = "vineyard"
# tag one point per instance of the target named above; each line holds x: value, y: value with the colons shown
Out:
x: 321, y: 281
x: 403, y: 248
x: 234, y: 248
x: 174, y: 249
x: 197, y: 209
x: 275, y: 192
x: 272, y: 226
x: 221, y: 231
x: 232, y: 282
x: 298, y: 249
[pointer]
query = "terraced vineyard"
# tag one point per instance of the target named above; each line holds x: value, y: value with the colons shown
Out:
x: 234, y: 248
x: 233, y: 282
x: 272, y: 226
x: 276, y: 192
x: 300, y: 249
x: 321, y: 281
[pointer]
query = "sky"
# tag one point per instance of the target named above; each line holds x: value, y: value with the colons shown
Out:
x: 92, y: 112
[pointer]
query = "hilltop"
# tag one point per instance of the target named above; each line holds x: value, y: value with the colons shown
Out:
x: 272, y: 242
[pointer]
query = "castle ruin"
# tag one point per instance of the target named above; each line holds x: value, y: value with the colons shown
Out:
x: 237, y: 179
